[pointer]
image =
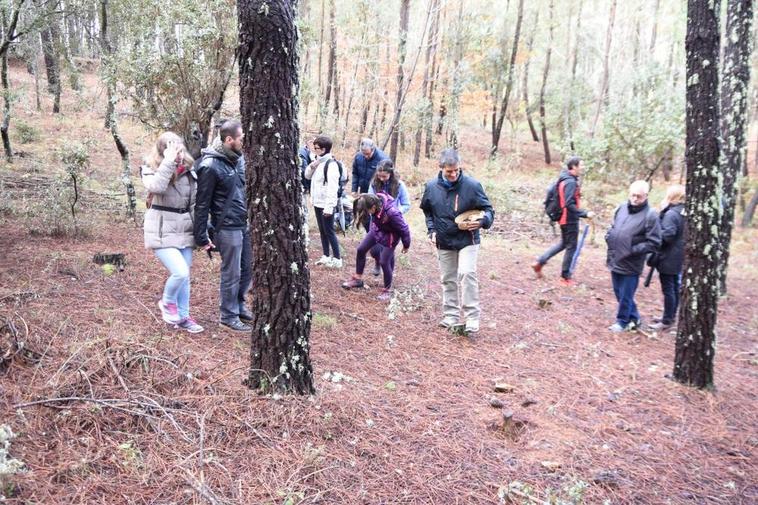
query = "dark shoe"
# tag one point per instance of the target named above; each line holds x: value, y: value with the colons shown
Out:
x: 376, y: 272
x: 353, y: 283
x: 246, y: 316
x: 537, y: 267
x: 237, y: 325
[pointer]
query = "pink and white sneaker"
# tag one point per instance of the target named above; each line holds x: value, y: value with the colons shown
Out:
x: 170, y: 312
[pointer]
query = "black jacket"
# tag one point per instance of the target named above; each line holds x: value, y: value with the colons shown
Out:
x: 671, y: 255
x: 217, y: 180
x: 569, y: 194
x: 634, y: 234
x: 442, y: 204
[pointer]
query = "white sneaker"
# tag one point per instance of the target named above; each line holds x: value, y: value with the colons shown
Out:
x: 323, y: 260
x: 472, y: 326
x: 335, y: 263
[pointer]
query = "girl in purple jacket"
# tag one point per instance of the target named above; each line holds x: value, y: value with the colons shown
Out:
x: 388, y: 228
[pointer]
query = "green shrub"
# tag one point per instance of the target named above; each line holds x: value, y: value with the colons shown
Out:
x: 26, y: 133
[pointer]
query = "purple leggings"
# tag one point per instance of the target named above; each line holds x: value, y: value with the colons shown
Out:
x: 383, y: 254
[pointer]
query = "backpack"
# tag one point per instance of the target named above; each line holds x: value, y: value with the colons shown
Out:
x: 343, y: 176
x: 552, y: 202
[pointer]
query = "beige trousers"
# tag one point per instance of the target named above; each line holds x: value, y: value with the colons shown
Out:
x: 458, y: 270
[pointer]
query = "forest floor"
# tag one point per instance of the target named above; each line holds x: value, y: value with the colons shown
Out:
x: 405, y: 412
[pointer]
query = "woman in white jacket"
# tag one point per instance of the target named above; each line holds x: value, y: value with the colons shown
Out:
x: 324, y: 175
x: 171, y: 183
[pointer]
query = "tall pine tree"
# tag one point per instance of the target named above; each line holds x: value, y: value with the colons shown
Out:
x: 269, y: 87
x: 696, y: 334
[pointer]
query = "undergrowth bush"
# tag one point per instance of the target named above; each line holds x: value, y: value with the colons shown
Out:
x: 26, y: 133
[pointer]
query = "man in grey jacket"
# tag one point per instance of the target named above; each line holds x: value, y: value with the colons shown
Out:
x: 636, y: 232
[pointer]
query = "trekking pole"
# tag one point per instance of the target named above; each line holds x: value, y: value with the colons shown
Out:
x: 579, y: 246
x: 649, y: 277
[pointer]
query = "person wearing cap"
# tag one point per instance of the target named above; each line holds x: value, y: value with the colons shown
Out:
x: 450, y: 195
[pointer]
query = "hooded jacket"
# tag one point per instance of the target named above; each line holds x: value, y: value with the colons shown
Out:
x: 389, y: 226
x: 166, y: 228
x: 219, y: 178
x: 671, y: 255
x: 443, y: 201
x: 636, y: 232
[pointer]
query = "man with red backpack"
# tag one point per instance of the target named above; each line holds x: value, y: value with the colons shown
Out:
x: 568, y: 193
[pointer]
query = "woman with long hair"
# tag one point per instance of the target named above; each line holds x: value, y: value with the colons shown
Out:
x: 171, y: 182
x: 385, y: 180
x: 388, y: 228
x: 670, y: 258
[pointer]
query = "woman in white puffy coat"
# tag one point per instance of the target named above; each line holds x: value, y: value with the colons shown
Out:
x: 171, y: 183
x: 324, y: 174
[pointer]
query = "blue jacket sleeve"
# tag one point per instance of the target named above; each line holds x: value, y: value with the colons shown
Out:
x: 356, y: 173
x: 404, y: 202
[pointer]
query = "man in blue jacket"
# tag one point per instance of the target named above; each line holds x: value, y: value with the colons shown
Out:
x: 447, y: 196
x: 364, y: 165
x: 221, y: 194
x: 635, y: 233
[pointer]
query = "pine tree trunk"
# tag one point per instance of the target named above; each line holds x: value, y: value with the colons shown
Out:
x: 696, y: 333
x: 747, y: 217
x: 426, y: 111
x: 52, y: 66
x: 111, y: 122
x: 433, y: 84
x: 5, y: 125
x: 604, y: 80
x: 332, y: 64
x: 545, y: 73
x: 734, y: 94
x: 572, y: 83
x: 402, y: 46
x: 525, y: 84
x: 654, y: 33
x: 279, y: 354
x: 498, y: 127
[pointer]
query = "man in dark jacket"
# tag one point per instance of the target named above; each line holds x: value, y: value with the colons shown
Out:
x: 670, y: 259
x: 221, y: 193
x: 364, y: 165
x: 447, y: 196
x: 569, y: 195
x: 635, y: 233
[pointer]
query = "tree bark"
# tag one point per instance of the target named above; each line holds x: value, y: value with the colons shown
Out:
x: 332, y: 64
x: 696, y: 333
x: 525, y: 84
x: 433, y: 84
x: 426, y: 111
x: 604, y: 80
x: 402, y: 48
x: 654, y: 32
x: 4, y: 127
x: 747, y: 217
x: 498, y: 126
x: 734, y: 94
x: 111, y: 121
x: 545, y: 72
x: 50, y: 36
x: 568, y: 105
x: 279, y: 354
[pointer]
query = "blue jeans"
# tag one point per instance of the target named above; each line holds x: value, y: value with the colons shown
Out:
x: 177, y: 288
x: 624, y: 287
x: 236, y: 271
x: 670, y: 288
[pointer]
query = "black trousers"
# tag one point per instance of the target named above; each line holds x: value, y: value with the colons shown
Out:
x: 569, y: 238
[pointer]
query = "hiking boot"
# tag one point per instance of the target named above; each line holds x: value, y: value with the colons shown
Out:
x: 385, y: 295
x: 246, y: 316
x: 170, y: 312
x: 617, y: 328
x: 472, y: 326
x: 323, y: 260
x: 334, y: 263
x: 377, y: 271
x: 353, y: 283
x: 189, y: 324
x: 566, y: 282
x: 237, y: 325
x: 449, y: 322
x: 537, y: 267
